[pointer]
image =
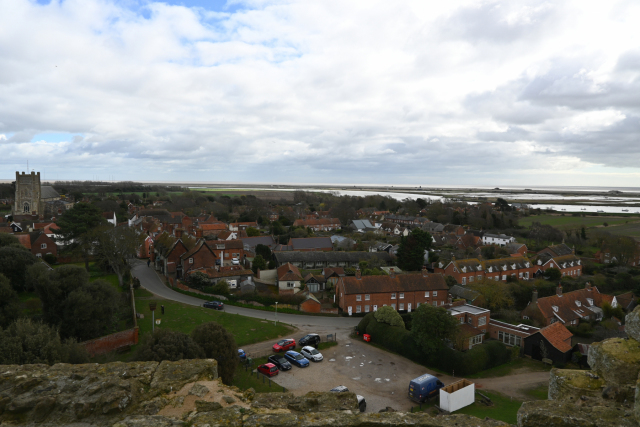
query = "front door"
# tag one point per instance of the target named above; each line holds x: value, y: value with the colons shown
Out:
x: 349, y: 310
x: 409, y: 308
x: 375, y: 308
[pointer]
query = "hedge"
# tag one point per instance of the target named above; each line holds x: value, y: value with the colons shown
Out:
x: 397, y: 339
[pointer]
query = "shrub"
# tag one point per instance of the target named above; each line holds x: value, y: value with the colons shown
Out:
x: 50, y: 259
x: 221, y: 288
x: 389, y: 315
x: 217, y: 343
x: 166, y: 344
x: 28, y: 342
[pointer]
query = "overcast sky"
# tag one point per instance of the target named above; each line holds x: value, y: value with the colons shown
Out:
x: 391, y: 92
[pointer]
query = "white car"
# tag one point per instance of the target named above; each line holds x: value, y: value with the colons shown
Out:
x: 235, y: 261
x: 311, y: 353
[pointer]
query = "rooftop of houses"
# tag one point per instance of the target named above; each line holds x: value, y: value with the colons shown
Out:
x: 396, y: 283
x: 573, y: 305
x: 310, y: 243
x: 297, y: 256
x: 558, y: 336
x: 467, y: 308
x: 288, y: 272
x: 557, y: 250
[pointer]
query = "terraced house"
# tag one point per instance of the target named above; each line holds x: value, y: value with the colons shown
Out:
x: 404, y: 292
x: 469, y: 270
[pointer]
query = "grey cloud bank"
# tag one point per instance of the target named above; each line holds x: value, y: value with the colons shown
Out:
x: 462, y: 92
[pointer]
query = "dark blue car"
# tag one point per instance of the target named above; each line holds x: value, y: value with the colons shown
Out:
x: 297, y: 359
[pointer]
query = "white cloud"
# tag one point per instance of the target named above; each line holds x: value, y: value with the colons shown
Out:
x: 320, y: 91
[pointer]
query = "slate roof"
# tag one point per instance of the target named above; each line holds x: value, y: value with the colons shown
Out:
x: 47, y: 192
x: 458, y: 291
x: 288, y: 272
x: 319, y: 278
x: 311, y: 243
x: 362, y: 224
x: 399, y: 283
x: 316, y: 222
x: 338, y: 271
x: 252, y: 242
x: 625, y: 300
x: 228, y: 244
x: 433, y: 227
x: 557, y: 250
x: 338, y: 256
x: 558, y: 336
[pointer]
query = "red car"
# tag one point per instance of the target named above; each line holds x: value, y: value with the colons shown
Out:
x: 269, y: 369
x: 284, y: 345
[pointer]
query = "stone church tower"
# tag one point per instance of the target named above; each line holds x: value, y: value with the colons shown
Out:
x: 28, y: 190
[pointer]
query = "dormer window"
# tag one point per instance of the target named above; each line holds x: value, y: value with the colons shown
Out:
x: 479, y: 268
x: 578, y: 303
x: 590, y: 301
x: 440, y: 265
x: 555, y: 308
x: 526, y: 264
x: 539, y: 262
x: 578, y: 262
x: 513, y: 266
x: 464, y: 269
x: 504, y: 267
x: 490, y: 269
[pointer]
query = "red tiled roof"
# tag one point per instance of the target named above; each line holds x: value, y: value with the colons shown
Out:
x: 558, y: 336
x: 289, y: 271
x: 399, y: 283
x: 216, y: 226
x: 25, y: 240
x: 567, y: 308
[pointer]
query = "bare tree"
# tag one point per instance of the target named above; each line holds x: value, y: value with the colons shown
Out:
x: 114, y: 246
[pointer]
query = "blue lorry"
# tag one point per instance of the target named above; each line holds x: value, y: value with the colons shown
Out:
x: 424, y: 387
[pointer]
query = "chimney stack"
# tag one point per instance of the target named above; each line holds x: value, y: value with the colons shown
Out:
x: 392, y: 273
x: 587, y: 286
x: 425, y: 273
x: 559, y: 290
x: 358, y: 273
x: 178, y: 232
x: 534, y: 297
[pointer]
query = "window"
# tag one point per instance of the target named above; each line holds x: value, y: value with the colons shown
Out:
x: 482, y: 321
x: 393, y: 296
x: 426, y: 294
x: 290, y: 284
x: 435, y: 293
x: 504, y: 277
x: 393, y: 306
x: 526, y: 275
x: 401, y: 295
x: 555, y: 308
x: 358, y: 297
x: 464, y: 280
x: 462, y: 320
x: 43, y: 246
x: 358, y: 308
x: 470, y: 278
x: 367, y: 297
x: 509, y: 339
x: 190, y: 260
x: 366, y: 308
x: 435, y: 303
x: 401, y: 306
x: 520, y: 275
x: 479, y: 277
x: 470, y: 320
x: 39, y: 255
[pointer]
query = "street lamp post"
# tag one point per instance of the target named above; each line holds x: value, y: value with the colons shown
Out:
x: 152, y: 307
x: 276, y: 322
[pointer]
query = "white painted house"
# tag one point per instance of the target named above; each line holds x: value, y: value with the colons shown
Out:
x: 497, y: 239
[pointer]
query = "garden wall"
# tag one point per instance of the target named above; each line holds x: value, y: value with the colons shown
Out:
x: 112, y: 342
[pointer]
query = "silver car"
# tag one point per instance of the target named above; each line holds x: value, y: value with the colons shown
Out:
x: 311, y: 353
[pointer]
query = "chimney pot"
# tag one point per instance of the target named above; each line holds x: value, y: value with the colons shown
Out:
x: 392, y: 273
x: 559, y: 290
x: 358, y: 274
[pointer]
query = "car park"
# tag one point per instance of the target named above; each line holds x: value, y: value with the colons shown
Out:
x: 311, y: 353
x: 296, y: 359
x: 268, y: 369
x: 280, y: 362
x: 284, y: 345
x: 362, y: 403
x: 309, y: 339
x: 242, y: 355
x: 216, y: 305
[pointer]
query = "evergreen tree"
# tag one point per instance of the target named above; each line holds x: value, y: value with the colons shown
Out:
x: 412, y: 248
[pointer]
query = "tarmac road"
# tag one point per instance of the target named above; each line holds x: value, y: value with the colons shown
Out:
x: 151, y: 282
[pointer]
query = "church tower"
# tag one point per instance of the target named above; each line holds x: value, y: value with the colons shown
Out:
x: 27, y: 200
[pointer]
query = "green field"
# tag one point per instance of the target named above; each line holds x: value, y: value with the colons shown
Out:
x: 184, y: 318
x: 95, y: 273
x: 576, y: 222
x: 631, y: 230
x: 508, y: 368
x: 504, y: 408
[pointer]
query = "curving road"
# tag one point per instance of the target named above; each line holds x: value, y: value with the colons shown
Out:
x: 151, y: 282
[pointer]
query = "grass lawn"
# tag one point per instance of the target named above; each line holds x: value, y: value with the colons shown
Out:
x: 184, y: 318
x: 631, y: 230
x: 574, y: 222
x: 508, y: 368
x: 539, y: 393
x: 95, y: 273
x: 504, y: 408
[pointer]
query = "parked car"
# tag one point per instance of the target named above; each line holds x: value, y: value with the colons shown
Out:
x: 362, y: 403
x: 309, y: 339
x: 242, y: 355
x: 268, y: 369
x: 296, y: 359
x: 216, y: 305
x: 280, y: 362
x: 424, y: 388
x: 311, y: 353
x: 284, y: 345
x: 235, y: 261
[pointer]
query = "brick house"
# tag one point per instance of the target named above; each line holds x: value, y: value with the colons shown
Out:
x: 468, y: 270
x: 237, y: 226
x: 167, y: 260
x: 569, y: 265
x: 403, y: 292
x: 38, y: 243
x: 320, y: 224
x: 332, y: 274
x: 510, y: 335
x: 474, y: 322
x: 568, y: 308
x: 288, y: 279
x: 200, y: 257
x: 315, y: 282
x: 209, y: 229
